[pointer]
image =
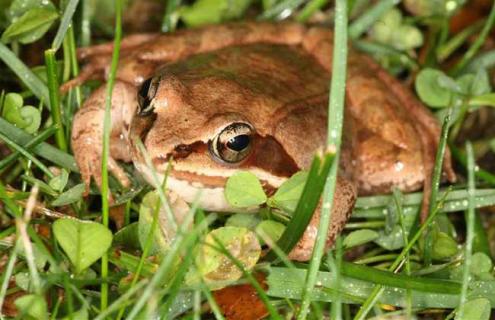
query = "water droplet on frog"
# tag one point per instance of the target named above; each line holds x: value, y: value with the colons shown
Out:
x: 398, y: 166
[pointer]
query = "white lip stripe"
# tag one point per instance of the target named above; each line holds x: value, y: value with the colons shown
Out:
x: 210, y: 199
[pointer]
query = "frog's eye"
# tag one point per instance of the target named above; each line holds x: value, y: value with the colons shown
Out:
x: 233, y: 143
x: 145, y: 94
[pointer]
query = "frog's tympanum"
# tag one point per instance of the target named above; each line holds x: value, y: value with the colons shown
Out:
x: 252, y: 96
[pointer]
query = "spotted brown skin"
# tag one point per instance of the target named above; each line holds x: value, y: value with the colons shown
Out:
x: 272, y: 78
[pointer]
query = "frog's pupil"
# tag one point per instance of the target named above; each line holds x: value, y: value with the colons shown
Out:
x: 238, y: 143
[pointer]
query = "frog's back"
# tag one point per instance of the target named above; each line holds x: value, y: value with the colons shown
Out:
x: 256, y: 80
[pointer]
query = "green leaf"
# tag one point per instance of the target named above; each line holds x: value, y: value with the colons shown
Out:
x: 19, y: 7
x: 31, y: 26
x: 11, y: 109
x: 84, y: 242
x: 476, y: 309
x: 32, y: 307
x: 32, y: 117
x: 81, y: 314
x: 212, y: 11
x: 271, y: 229
x: 359, y: 237
x: 244, y: 220
x: 287, y: 196
x: 128, y: 236
x: 59, y: 182
x: 244, y: 190
x: 25, y: 117
x: 70, y: 196
x: 444, y: 246
x: 474, y: 84
x: 480, y: 263
x: 215, y: 267
x: 161, y: 241
x: 430, y: 90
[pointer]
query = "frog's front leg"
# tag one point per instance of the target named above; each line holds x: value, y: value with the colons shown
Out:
x: 343, y: 202
x: 87, y: 132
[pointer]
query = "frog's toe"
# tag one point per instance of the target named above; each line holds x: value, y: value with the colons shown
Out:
x: 118, y: 173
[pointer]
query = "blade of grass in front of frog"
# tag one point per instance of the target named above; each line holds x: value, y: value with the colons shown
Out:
x: 378, y: 289
x: 375, y: 48
x: 364, y: 22
x: 157, y: 183
x: 174, y: 287
x: 414, y: 199
x: 37, y: 87
x: 44, y: 150
x: 281, y: 256
x: 182, y: 241
x: 105, y: 190
x: 358, y: 285
x: 54, y: 93
x: 474, y: 48
x: 70, y: 45
x: 334, y: 140
x: 281, y: 10
x: 148, y: 243
x: 310, y: 8
x: 163, y: 268
x: 305, y: 206
x: 8, y: 271
x: 375, y: 207
x: 169, y: 21
x: 42, y: 136
x: 26, y: 154
x: 358, y: 281
x: 65, y: 23
x: 220, y: 247
x: 470, y: 221
x: 435, y: 186
x: 398, y: 197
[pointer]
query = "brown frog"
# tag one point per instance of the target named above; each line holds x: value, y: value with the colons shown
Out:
x: 252, y: 96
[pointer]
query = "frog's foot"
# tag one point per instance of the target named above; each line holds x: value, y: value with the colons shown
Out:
x: 87, y: 133
x: 89, y: 161
x: 344, y: 199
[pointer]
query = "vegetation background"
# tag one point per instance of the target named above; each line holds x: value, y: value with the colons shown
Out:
x: 63, y: 256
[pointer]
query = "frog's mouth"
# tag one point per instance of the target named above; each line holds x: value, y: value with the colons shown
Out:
x: 196, y: 173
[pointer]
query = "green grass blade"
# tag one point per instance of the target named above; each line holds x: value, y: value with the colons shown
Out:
x: 105, y: 190
x: 44, y: 150
x: 334, y: 132
x: 42, y: 136
x: 474, y: 48
x: 26, y: 154
x: 64, y: 24
x: 280, y: 8
x: 306, y: 205
x: 31, y: 81
x: 51, y: 75
x: 364, y: 22
x: 470, y: 221
x: 169, y: 19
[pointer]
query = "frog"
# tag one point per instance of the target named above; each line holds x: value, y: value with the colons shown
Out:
x: 253, y: 96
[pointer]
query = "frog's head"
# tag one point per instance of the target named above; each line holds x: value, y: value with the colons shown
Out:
x: 216, y: 114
